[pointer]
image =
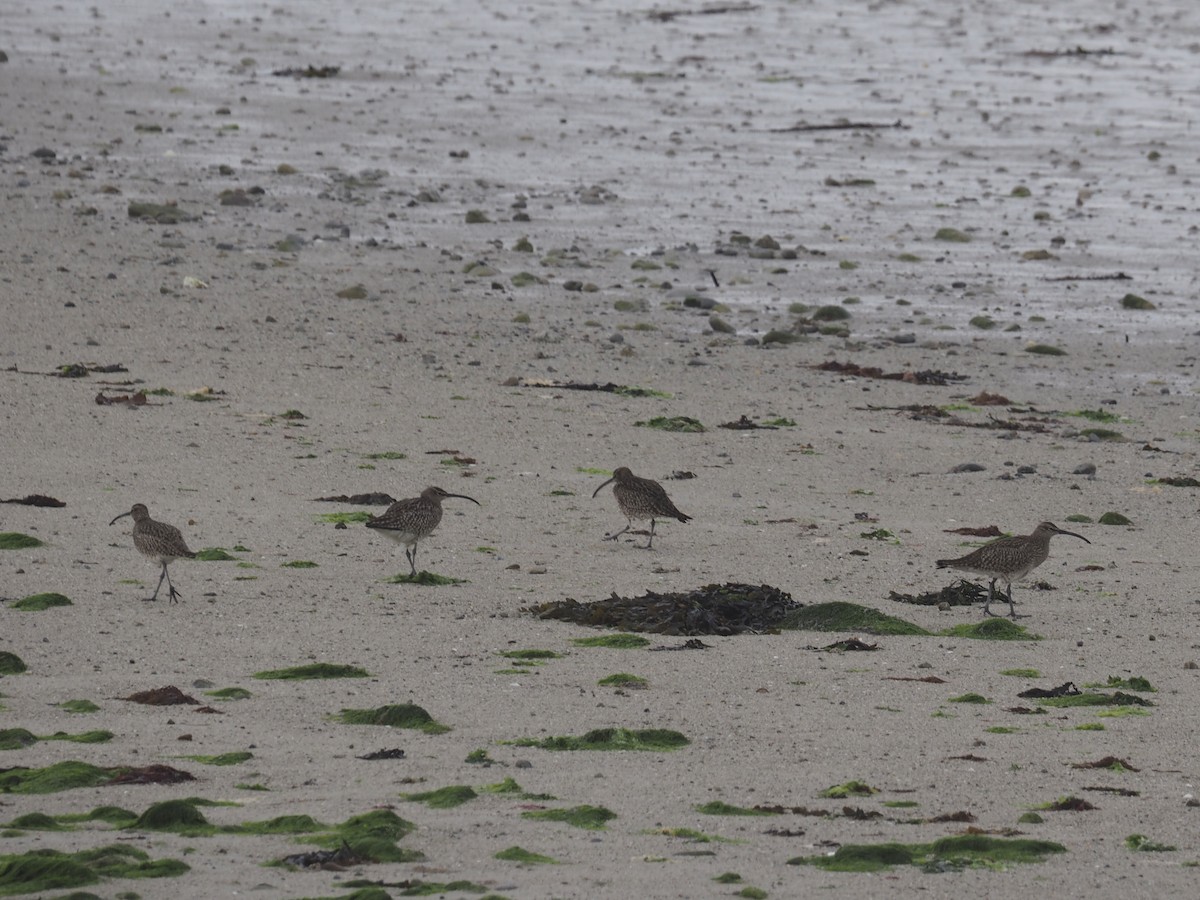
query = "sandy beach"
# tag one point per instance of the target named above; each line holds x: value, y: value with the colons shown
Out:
x: 391, y: 277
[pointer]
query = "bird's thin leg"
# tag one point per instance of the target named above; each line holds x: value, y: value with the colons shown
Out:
x: 412, y: 559
x: 171, y: 592
x: 987, y: 610
x: 650, y: 542
x: 617, y: 534
x: 1012, y: 610
x: 158, y: 587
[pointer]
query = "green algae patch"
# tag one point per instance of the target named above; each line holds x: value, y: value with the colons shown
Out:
x: 214, y: 554
x: 684, y: 424
x: 526, y: 857
x: 396, y: 715
x: 443, y: 798
x: 623, y: 680
x: 842, y: 616
x: 1133, y: 301
x: 298, y: 564
x: 428, y: 579
x: 16, y: 738
x: 299, y: 824
x: 1022, y: 673
x: 62, y: 776
x: 530, y: 656
x: 969, y: 698
x: 39, y: 871
x: 953, y: 235
x: 314, y: 670
x: 1096, y: 698
x: 991, y: 630
x: 589, y: 817
x: 180, y: 816
x: 36, y: 821
x: 14, y: 540
x: 1142, y: 844
x: 690, y: 834
x: 1133, y: 683
x: 79, y: 706
x: 614, y: 641
x: 223, y: 759
x: 849, y: 789
x: 650, y: 739
x: 39, y: 602
x: 99, y: 736
x: 1114, y: 518
x: 372, y: 836
x: 229, y: 693
x: 1045, y: 350
x: 947, y: 854
x: 11, y: 664
x: 418, y: 888
x: 346, y: 518
x: 721, y: 808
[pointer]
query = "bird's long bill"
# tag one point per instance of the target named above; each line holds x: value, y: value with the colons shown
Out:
x: 463, y: 497
x: 1073, y: 534
x: 121, y: 516
x: 597, y: 490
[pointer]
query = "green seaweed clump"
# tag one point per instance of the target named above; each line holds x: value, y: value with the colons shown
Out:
x: 11, y: 664
x: 673, y: 423
x: 16, y: 738
x: 428, y: 579
x: 1143, y: 844
x: 613, y: 641
x: 79, y: 706
x: 179, y: 816
x: 39, y: 871
x: 842, y: 616
x: 372, y: 836
x: 652, y: 739
x: 1132, y: 683
x: 444, y: 798
x: 530, y: 656
x: 1045, y: 350
x: 314, y: 670
x: 623, y: 680
x: 396, y: 715
x: 214, y: 554
x: 991, y: 630
x: 590, y: 817
x: 39, y: 602
x: 223, y: 759
x: 62, y: 776
x: 14, y: 540
x: 521, y: 855
x: 853, y: 788
x: 970, y: 698
x: 1133, y: 301
x: 947, y: 854
x: 229, y: 693
x: 299, y: 564
x: 953, y: 235
x: 721, y: 808
x: 1114, y: 518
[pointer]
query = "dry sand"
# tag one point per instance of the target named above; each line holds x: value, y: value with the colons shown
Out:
x: 609, y: 140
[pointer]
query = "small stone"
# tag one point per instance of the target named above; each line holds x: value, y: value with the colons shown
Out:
x: 1084, y: 469
x: 967, y: 467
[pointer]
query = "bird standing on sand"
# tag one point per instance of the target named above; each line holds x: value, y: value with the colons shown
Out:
x: 407, y: 521
x: 640, y: 498
x: 161, y: 542
x: 1009, y: 559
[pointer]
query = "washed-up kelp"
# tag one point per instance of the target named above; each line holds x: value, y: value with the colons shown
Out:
x: 724, y: 609
x: 961, y: 593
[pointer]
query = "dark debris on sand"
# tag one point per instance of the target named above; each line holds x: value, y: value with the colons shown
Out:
x: 961, y: 593
x: 724, y: 609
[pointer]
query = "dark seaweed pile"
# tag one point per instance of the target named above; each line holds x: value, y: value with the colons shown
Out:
x: 724, y: 609
x: 961, y: 593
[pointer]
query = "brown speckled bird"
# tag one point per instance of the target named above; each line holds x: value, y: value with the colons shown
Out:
x: 407, y: 521
x: 1008, y: 559
x: 641, y: 499
x: 161, y: 542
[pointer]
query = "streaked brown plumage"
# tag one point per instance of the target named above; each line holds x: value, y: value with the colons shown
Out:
x: 161, y: 542
x: 641, y: 499
x: 407, y: 521
x: 1009, y: 559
